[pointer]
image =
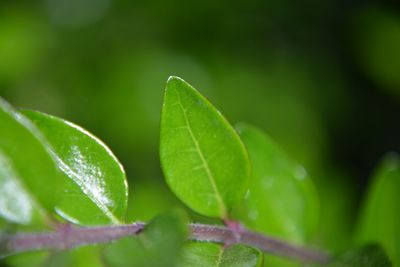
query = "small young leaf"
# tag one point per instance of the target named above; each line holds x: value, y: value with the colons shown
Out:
x: 380, y: 219
x: 215, y: 255
x: 368, y: 256
x: 281, y: 200
x: 159, y: 244
x: 29, y: 177
x: 96, y: 191
x: 204, y: 161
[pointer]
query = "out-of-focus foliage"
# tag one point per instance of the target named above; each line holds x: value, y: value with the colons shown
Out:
x: 369, y: 255
x: 281, y: 200
x: 294, y: 216
x: 377, y: 42
x: 381, y: 213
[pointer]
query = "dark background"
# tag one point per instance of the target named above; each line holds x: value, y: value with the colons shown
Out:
x: 322, y: 78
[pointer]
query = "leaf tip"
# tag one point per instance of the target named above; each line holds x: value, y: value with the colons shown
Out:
x: 174, y: 82
x: 173, y: 78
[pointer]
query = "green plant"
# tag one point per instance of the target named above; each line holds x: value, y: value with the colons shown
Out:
x: 62, y: 188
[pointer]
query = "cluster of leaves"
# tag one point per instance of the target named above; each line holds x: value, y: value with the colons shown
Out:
x: 53, y: 171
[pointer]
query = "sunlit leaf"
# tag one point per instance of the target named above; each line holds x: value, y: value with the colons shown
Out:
x: 380, y: 219
x: 215, y: 255
x: 204, y: 161
x: 29, y: 178
x: 96, y: 191
x: 281, y: 200
x: 159, y: 244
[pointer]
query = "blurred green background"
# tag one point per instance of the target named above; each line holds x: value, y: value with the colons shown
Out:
x: 322, y: 78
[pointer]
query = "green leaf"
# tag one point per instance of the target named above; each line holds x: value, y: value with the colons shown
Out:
x: 79, y: 257
x: 87, y: 256
x: 31, y: 259
x: 204, y: 161
x: 282, y: 200
x: 29, y: 178
x: 159, y: 245
x: 16, y: 205
x: 96, y: 191
x: 215, y: 255
x: 380, y: 218
x: 368, y: 256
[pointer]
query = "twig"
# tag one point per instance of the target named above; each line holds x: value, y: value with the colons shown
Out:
x: 68, y: 236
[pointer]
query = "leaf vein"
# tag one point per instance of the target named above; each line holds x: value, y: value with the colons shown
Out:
x: 207, y: 169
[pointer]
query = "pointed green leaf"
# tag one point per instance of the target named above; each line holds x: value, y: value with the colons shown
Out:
x: 159, y: 244
x: 380, y: 219
x: 203, y: 159
x: 29, y: 178
x: 282, y: 200
x: 215, y: 255
x: 368, y: 256
x: 96, y: 191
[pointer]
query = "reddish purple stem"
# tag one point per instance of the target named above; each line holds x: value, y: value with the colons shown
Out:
x: 69, y: 236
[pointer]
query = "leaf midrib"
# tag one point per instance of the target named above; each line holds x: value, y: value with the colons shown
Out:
x: 206, y: 167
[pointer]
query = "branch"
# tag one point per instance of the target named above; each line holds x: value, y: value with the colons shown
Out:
x: 224, y: 235
x: 68, y: 236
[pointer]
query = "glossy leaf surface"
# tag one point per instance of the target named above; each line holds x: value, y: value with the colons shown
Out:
x: 380, y: 220
x: 96, y: 191
x: 29, y: 177
x: 282, y: 200
x: 215, y: 255
x: 203, y: 159
x: 159, y: 244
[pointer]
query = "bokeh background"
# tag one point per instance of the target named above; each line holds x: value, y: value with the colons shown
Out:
x: 322, y: 78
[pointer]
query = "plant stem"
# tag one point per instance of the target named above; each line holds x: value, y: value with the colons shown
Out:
x: 224, y: 235
x: 68, y: 236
